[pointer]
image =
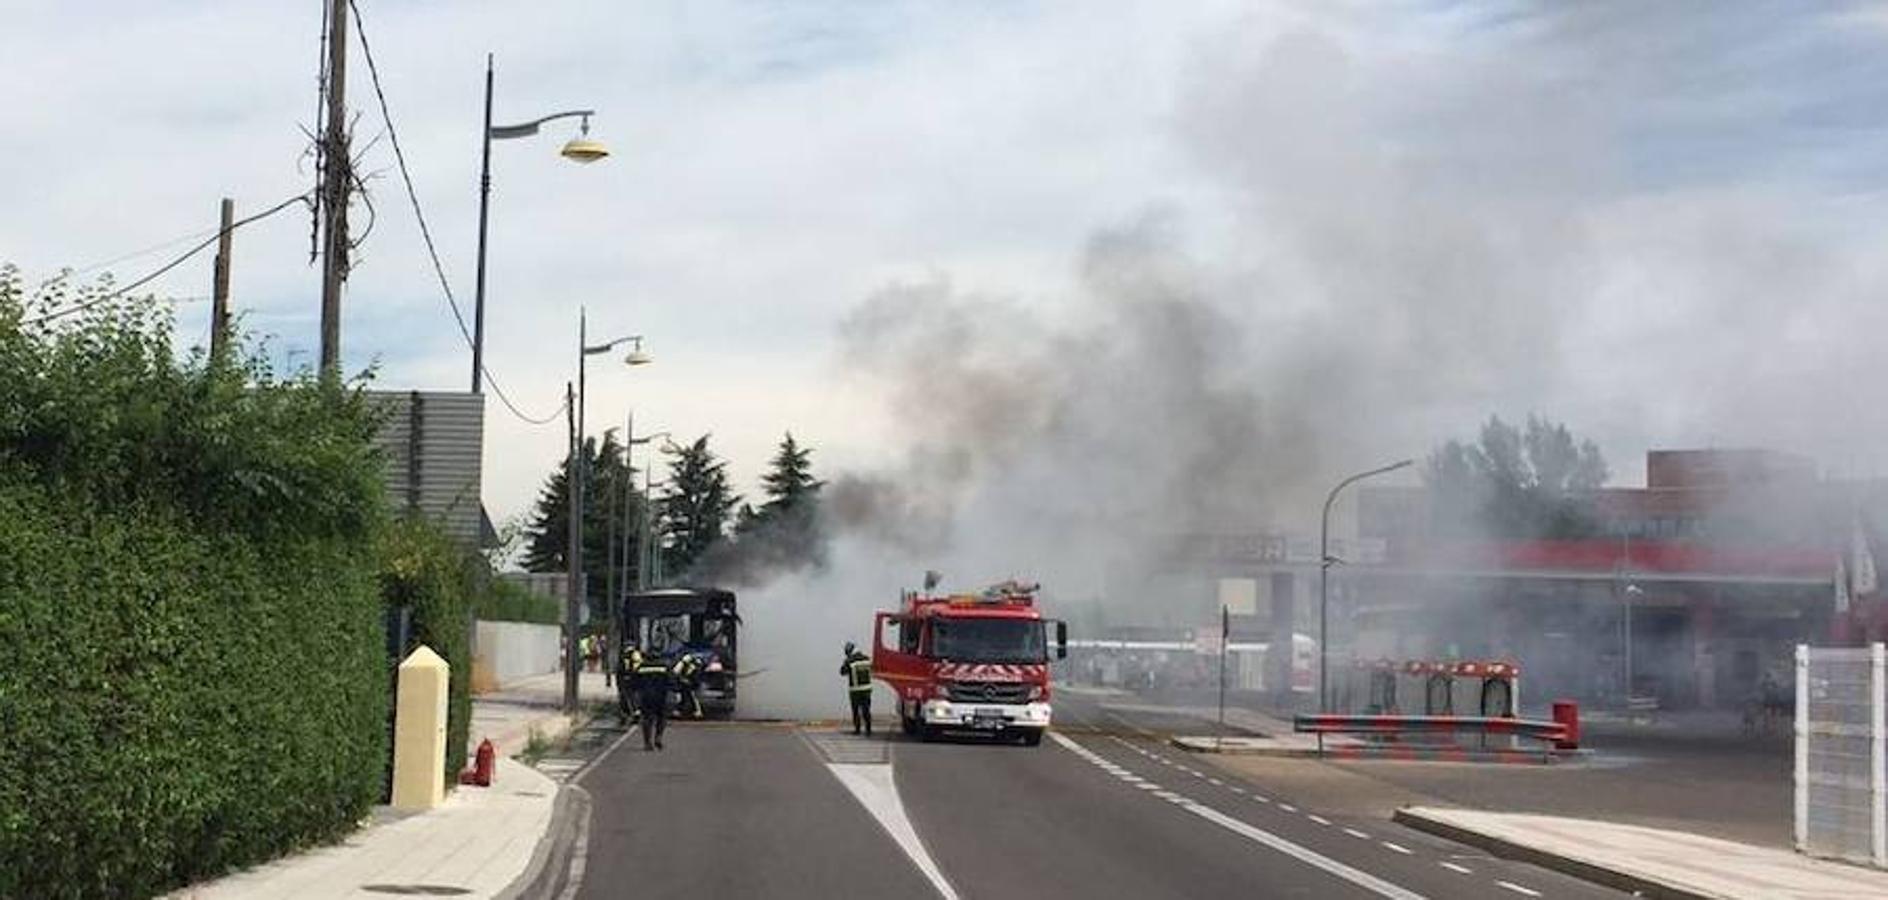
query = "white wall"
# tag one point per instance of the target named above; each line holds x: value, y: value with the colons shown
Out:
x: 514, y: 650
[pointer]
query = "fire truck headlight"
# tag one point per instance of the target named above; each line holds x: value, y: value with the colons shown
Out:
x: 1035, y: 692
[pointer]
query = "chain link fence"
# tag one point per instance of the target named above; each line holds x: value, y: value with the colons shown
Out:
x: 1841, y: 748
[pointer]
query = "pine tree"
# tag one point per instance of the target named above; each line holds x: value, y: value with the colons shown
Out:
x: 696, y: 507
x: 549, y: 531
x: 789, y: 483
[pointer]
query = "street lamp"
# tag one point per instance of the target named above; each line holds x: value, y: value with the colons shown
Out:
x: 1631, y: 591
x: 578, y: 462
x: 579, y: 149
x: 1324, y: 578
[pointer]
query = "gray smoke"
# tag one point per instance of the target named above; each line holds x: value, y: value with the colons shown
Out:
x: 1396, y: 244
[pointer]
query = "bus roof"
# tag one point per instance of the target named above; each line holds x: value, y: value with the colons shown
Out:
x: 679, y: 601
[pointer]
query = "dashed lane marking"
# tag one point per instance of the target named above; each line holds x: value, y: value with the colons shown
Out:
x: 1288, y: 807
x: 1527, y: 892
x: 1257, y: 835
x: 1398, y: 848
x: 1462, y: 870
x: 1357, y: 834
x: 1319, y: 819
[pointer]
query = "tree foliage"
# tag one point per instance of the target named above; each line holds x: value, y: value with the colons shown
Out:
x: 785, y: 534
x: 695, y: 507
x: 612, y: 505
x: 1516, y: 483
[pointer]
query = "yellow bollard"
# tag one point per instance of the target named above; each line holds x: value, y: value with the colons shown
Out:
x: 419, y: 732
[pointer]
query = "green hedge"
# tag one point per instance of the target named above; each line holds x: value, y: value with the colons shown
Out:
x: 423, y: 570
x: 503, y: 601
x: 192, y: 657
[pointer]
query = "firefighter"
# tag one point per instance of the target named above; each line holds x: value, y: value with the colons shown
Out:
x: 626, y: 664
x: 651, y: 680
x: 857, y: 670
x: 685, y: 672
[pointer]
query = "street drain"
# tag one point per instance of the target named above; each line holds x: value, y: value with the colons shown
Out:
x: 426, y: 890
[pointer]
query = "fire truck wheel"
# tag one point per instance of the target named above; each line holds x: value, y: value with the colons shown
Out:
x: 929, y: 733
x: 1032, y: 737
x: 909, y: 724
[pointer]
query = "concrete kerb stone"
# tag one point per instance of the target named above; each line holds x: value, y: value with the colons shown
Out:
x: 550, y: 859
x: 1578, y: 868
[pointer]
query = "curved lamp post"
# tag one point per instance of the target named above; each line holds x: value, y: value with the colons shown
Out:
x: 578, y: 462
x: 579, y: 149
x: 1325, y: 560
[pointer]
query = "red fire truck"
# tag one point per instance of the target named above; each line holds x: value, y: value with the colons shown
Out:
x: 969, y: 662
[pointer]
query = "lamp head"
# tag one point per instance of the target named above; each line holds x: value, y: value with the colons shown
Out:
x: 582, y: 149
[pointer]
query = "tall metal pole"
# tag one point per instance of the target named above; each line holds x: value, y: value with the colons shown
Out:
x: 334, y: 191
x: 219, y: 282
x: 579, y: 462
x: 609, y: 586
x: 621, y: 544
x: 485, y: 199
x: 574, y: 538
x: 1324, y: 580
x: 1225, y: 637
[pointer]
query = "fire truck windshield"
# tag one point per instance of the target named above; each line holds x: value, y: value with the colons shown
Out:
x: 988, y: 640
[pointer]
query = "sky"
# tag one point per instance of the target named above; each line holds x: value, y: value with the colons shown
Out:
x: 865, y: 221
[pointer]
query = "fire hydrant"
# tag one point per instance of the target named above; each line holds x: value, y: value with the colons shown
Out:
x: 484, y: 760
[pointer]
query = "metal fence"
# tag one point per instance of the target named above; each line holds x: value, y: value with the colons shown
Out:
x: 1841, y: 753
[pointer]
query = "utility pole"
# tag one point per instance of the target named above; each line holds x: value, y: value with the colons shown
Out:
x: 573, y: 586
x: 334, y: 193
x: 219, y: 284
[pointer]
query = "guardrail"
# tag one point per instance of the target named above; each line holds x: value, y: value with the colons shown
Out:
x: 1561, y: 734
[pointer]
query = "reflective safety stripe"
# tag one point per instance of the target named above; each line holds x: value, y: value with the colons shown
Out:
x: 861, y: 674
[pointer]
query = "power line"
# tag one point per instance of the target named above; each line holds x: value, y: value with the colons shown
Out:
x: 439, y: 270
x: 134, y: 254
x: 60, y: 314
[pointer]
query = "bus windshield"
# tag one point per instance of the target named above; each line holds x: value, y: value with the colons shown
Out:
x: 988, y: 640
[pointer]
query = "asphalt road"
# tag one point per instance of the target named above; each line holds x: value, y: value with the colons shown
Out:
x: 752, y: 811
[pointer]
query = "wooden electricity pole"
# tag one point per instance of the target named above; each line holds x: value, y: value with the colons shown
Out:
x: 334, y: 193
x: 219, y: 284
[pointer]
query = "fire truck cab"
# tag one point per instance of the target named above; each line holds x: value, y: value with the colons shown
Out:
x: 969, y: 662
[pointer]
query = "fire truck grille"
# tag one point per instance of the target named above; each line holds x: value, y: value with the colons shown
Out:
x: 988, y: 692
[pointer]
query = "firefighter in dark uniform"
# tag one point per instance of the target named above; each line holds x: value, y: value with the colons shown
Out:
x: 685, y: 672
x: 651, y: 680
x: 857, y: 670
x: 626, y: 663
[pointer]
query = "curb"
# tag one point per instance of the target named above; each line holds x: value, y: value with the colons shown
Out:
x: 551, y: 859
x: 1566, y: 865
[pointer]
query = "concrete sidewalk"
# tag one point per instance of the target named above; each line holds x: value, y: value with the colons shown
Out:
x: 1652, y: 861
x: 510, y: 714
x: 482, y: 842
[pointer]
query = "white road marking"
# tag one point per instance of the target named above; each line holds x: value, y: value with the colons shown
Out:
x: 1530, y: 892
x: 1464, y: 870
x: 1398, y: 848
x: 1215, y: 782
x: 1288, y: 807
x: 1309, y: 857
x: 1357, y: 834
x: 1261, y: 799
x: 1238, y: 790
x: 871, y: 784
x: 1320, y: 820
x: 1148, y: 786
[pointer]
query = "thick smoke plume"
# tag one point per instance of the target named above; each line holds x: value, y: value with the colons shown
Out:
x: 1394, y: 245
